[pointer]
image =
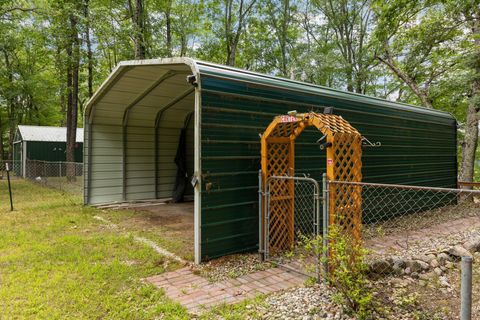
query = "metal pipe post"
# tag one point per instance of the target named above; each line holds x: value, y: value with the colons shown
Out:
x: 260, y: 224
x: 325, y: 223
x: 318, y: 200
x: 466, y: 289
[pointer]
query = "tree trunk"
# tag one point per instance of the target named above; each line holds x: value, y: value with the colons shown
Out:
x: 89, y: 48
x: 411, y: 83
x: 469, y: 144
x: 73, y: 51
x: 168, y: 22
x: 10, y: 108
x: 139, y: 36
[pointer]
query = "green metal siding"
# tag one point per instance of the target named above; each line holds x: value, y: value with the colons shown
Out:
x: 51, y: 151
x: 418, y: 148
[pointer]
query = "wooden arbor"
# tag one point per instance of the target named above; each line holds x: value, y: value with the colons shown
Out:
x: 343, y: 145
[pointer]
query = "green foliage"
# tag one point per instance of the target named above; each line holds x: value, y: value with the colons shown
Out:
x: 347, y: 270
x: 348, y: 273
x: 342, y: 44
x: 59, y: 262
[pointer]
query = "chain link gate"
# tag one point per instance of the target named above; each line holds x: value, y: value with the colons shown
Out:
x: 292, y: 223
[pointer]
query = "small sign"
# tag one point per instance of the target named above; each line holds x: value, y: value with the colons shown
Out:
x: 329, y: 162
x: 284, y: 119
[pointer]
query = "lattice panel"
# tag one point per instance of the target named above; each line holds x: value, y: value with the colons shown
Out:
x: 278, y: 155
x: 281, y: 215
x: 279, y: 163
x: 343, y: 164
x: 346, y: 202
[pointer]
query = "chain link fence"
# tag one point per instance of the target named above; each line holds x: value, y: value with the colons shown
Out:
x: 414, y: 239
x: 15, y: 168
x: 65, y: 176
x: 292, y: 222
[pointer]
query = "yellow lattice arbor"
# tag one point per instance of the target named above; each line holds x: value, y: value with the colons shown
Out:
x: 344, y: 153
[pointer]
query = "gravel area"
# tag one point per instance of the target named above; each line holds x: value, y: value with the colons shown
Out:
x: 229, y: 267
x: 306, y: 303
x: 433, y: 245
x: 395, y: 302
x: 421, y: 220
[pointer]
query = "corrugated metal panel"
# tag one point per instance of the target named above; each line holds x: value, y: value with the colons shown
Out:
x: 47, y: 133
x: 418, y: 148
x: 52, y: 151
x: 105, y: 164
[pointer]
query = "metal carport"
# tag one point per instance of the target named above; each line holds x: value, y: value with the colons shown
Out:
x: 133, y: 122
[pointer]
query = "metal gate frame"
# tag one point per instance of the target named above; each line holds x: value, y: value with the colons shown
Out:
x: 319, y: 199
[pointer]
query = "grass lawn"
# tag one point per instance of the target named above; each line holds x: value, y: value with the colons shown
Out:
x: 57, y: 261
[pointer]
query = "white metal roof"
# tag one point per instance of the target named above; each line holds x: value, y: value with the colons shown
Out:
x: 46, y: 133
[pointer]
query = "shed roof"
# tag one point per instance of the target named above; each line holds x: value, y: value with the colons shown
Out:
x: 199, y: 67
x: 47, y: 133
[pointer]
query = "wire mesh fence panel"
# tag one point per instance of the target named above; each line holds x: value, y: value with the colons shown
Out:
x: 15, y: 168
x: 292, y: 223
x: 415, y: 238
x: 65, y: 176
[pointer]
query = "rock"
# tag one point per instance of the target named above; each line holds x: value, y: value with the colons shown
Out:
x: 434, y: 263
x: 398, y: 263
x: 430, y: 257
x: 424, y: 276
x: 417, y: 265
x: 398, y: 271
x: 415, y: 275
x: 399, y: 283
x: 444, y: 282
x: 442, y: 258
x: 472, y: 245
x: 380, y: 267
x: 423, y: 258
x: 458, y: 251
x: 407, y: 270
x: 438, y: 271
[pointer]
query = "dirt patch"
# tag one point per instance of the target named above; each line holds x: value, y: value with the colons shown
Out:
x: 175, y: 216
x: 168, y: 224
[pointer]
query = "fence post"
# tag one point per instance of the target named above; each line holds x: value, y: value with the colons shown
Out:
x: 9, y: 186
x: 260, y: 224
x: 325, y: 224
x: 466, y: 289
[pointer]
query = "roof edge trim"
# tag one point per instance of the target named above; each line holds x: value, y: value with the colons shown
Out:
x: 124, y: 66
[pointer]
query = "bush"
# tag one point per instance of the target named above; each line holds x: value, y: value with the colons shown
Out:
x: 348, y: 273
x: 347, y: 270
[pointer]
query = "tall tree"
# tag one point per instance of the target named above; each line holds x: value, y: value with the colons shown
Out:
x: 350, y: 21
x: 280, y: 17
x: 86, y: 12
x: 137, y: 14
x: 73, y: 66
x: 236, y: 14
x: 424, y: 44
x: 471, y: 14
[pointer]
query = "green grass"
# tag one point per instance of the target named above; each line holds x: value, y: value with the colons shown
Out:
x: 57, y: 261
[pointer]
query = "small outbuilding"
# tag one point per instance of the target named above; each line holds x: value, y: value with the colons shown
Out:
x: 181, y: 129
x: 42, y: 143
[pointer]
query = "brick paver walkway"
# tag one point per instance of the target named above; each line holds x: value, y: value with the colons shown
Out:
x: 401, y: 239
x: 196, y: 293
